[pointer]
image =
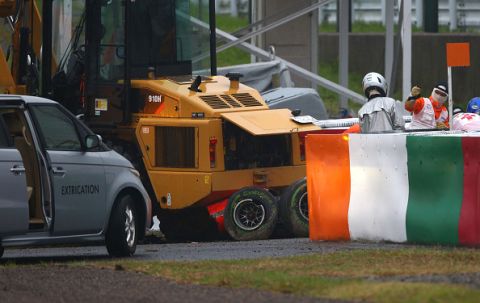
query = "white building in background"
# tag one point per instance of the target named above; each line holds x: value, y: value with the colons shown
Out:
x: 233, y: 7
x: 467, y: 12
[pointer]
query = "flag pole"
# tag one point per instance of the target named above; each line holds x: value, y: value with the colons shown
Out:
x: 450, y: 97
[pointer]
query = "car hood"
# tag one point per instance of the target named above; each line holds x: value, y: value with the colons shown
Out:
x: 115, y: 159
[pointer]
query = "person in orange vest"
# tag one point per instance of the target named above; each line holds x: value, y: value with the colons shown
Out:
x: 439, y: 97
x: 428, y: 113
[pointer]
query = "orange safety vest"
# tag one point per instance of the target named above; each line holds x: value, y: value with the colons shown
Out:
x: 423, y: 114
x: 441, y: 112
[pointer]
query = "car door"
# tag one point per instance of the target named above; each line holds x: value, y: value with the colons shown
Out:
x: 78, y: 175
x: 13, y: 187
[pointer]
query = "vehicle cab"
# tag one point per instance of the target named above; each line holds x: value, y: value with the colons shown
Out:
x: 60, y: 183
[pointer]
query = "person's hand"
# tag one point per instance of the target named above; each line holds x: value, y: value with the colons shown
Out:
x: 441, y: 125
x: 416, y: 91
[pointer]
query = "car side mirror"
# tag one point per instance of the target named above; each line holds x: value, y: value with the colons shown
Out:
x: 92, y: 141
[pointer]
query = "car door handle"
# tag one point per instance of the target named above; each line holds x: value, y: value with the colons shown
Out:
x: 17, y: 169
x: 58, y: 171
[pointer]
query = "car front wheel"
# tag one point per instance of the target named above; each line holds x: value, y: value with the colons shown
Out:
x: 122, y: 235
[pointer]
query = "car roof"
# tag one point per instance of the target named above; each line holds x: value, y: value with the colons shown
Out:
x: 26, y: 99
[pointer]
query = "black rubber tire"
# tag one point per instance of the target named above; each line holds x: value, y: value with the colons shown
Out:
x: 259, y: 199
x: 294, y: 219
x: 1, y: 251
x: 116, y: 237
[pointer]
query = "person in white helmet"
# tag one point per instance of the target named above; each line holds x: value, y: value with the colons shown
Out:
x: 440, y: 97
x: 380, y: 113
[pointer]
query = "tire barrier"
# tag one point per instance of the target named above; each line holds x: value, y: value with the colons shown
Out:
x: 394, y: 187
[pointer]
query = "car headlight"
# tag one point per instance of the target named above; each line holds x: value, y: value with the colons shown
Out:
x: 135, y: 172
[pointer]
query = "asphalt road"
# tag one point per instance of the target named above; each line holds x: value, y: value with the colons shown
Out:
x: 195, y: 250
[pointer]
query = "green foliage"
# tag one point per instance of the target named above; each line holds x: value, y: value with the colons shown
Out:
x: 232, y: 56
x: 231, y: 24
x: 331, y: 99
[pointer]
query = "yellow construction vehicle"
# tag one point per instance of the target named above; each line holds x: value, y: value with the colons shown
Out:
x: 208, y: 148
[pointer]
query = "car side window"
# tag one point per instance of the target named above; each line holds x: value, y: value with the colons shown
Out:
x: 57, y: 129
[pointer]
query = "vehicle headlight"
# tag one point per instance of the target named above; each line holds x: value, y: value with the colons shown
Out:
x: 135, y: 172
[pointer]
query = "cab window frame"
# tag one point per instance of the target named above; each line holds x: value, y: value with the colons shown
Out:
x: 72, y: 118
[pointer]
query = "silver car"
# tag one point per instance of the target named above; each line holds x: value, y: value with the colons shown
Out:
x: 60, y: 184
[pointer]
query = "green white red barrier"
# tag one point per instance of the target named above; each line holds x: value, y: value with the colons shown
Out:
x: 394, y: 187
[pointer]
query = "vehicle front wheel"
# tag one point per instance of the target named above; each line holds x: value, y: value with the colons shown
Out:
x: 294, y: 208
x: 1, y: 251
x: 251, y: 214
x: 122, y: 236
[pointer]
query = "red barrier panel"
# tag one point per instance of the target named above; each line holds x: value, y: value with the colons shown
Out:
x: 468, y: 231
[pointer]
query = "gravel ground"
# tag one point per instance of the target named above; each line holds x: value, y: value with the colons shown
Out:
x: 58, y: 283
x: 27, y: 275
x: 65, y: 284
x: 227, y: 250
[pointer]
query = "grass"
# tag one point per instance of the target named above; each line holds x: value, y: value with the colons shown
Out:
x: 376, y: 27
x: 363, y: 27
x: 357, y: 27
x: 349, y: 275
x: 232, y: 56
x: 331, y: 99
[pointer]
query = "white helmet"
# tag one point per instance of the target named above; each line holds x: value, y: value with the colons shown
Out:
x: 374, y: 81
